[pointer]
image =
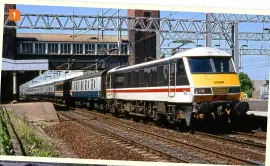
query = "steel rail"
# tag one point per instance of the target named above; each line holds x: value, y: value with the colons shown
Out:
x: 177, y: 142
x: 150, y: 149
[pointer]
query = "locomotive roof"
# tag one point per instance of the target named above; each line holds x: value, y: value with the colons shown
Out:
x: 89, y: 75
x: 194, y: 52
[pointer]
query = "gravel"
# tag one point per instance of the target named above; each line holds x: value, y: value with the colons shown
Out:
x: 194, y: 156
x: 245, y: 152
x: 85, y: 143
x: 247, y: 139
x: 261, y: 134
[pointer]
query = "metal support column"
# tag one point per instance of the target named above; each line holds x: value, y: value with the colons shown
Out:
x: 158, y: 45
x: 208, y: 30
x: 235, y: 47
x: 14, y: 87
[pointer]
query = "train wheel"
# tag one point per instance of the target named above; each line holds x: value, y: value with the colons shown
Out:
x: 155, y: 116
x: 88, y: 105
x: 126, y: 115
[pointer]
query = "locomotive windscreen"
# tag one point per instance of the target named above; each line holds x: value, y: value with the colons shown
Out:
x: 211, y: 65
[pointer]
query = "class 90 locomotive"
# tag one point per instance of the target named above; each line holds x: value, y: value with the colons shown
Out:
x: 199, y: 84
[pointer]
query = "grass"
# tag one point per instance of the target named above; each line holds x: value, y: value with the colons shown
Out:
x: 5, y: 143
x: 33, y: 143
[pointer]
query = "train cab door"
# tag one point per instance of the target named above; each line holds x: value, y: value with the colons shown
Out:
x: 109, y: 85
x: 172, y: 80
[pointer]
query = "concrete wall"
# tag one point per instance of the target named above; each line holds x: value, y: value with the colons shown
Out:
x: 258, y: 85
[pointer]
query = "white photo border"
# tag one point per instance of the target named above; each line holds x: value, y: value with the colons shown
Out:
x: 261, y: 7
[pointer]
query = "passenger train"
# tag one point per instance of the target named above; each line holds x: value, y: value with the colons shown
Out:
x: 200, y: 84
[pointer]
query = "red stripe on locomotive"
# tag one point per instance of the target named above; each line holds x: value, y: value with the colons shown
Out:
x: 148, y: 90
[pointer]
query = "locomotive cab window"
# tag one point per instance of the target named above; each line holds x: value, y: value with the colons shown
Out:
x: 211, y: 65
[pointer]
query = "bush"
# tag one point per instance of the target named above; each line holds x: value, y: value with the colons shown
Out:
x: 246, y: 84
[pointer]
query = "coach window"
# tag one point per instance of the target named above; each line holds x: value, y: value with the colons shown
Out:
x: 92, y: 83
x: 119, y: 80
x: 141, y: 81
x: 181, y: 76
x: 165, y: 73
x: 134, y: 79
x: 81, y: 84
x: 85, y: 85
x: 126, y: 79
x: 159, y: 76
x: 153, y: 73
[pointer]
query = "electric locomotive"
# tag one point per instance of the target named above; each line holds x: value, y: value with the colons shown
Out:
x: 200, y: 84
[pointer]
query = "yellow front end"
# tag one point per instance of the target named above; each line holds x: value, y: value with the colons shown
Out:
x: 222, y: 87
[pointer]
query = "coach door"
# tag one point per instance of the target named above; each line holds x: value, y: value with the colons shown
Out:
x: 172, y: 80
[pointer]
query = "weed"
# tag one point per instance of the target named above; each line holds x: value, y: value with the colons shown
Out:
x: 5, y: 143
x: 34, y: 144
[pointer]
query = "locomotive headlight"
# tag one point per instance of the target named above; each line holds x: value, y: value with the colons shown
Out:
x: 234, y: 90
x: 202, y: 91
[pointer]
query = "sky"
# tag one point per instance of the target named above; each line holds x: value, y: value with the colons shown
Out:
x: 257, y: 67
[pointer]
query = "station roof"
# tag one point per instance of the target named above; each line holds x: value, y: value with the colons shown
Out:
x: 51, y: 37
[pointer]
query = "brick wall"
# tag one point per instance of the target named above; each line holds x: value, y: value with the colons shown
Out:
x: 9, y: 44
x: 143, y: 44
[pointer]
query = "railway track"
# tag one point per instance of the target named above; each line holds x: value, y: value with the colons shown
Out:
x: 251, y: 135
x: 226, y: 138
x: 154, y: 151
x: 255, y: 145
x: 174, y: 142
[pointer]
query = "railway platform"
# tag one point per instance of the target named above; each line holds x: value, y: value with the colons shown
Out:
x: 258, y: 108
x: 262, y: 113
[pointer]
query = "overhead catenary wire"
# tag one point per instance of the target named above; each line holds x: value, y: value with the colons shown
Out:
x: 130, y: 42
x: 79, y: 35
